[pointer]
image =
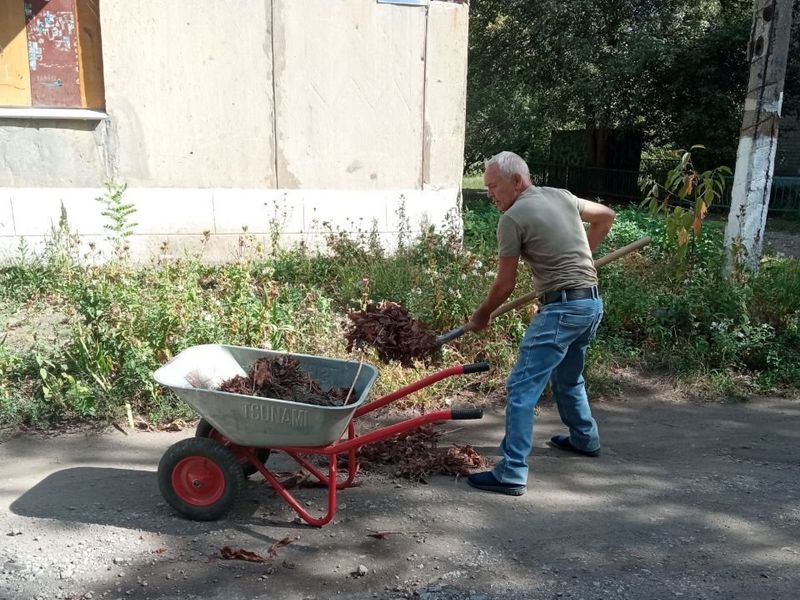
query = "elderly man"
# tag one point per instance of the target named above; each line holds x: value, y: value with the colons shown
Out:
x: 545, y: 228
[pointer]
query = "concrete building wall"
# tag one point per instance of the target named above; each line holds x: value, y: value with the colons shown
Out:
x: 445, y: 108
x: 349, y: 102
x: 191, y: 105
x: 341, y: 108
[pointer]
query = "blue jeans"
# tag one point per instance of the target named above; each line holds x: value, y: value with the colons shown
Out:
x: 553, y: 349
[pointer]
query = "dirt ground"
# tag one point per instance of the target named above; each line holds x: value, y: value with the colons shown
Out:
x: 687, y: 500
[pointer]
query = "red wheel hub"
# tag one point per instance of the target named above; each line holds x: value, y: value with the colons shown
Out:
x: 198, y: 481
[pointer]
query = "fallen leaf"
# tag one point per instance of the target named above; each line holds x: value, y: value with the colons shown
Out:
x: 176, y: 425
x: 140, y: 423
x: 273, y: 550
x: 300, y: 479
x: 384, y: 535
x: 229, y: 553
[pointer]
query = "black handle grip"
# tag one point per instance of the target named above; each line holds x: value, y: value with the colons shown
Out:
x: 451, y: 335
x: 477, y: 367
x: 466, y: 413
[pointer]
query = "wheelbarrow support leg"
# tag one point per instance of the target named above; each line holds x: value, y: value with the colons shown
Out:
x: 292, y: 501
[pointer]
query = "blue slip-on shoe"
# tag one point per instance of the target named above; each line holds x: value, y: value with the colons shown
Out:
x: 562, y: 443
x: 488, y: 482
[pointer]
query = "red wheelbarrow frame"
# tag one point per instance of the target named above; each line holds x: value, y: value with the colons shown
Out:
x: 355, y: 441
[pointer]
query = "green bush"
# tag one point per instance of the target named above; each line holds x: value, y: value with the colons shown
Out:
x: 480, y: 223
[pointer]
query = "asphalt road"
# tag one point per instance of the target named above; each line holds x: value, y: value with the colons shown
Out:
x: 686, y: 501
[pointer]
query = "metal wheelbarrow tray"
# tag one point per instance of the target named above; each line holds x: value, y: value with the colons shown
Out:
x: 202, y: 477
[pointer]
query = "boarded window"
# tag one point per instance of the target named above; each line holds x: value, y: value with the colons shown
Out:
x: 50, y: 55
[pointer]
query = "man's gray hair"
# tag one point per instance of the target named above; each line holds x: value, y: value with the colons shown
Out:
x: 510, y: 164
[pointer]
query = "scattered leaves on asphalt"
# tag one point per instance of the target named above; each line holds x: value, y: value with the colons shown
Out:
x: 298, y: 479
x: 416, y: 455
x: 273, y: 550
x: 384, y: 535
x: 229, y: 553
x: 144, y: 425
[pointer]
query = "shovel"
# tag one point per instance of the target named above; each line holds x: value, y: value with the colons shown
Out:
x: 528, y: 298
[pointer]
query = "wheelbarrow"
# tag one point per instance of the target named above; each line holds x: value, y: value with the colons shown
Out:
x: 202, y: 477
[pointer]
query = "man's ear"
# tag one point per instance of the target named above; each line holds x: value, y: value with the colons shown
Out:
x: 517, y: 181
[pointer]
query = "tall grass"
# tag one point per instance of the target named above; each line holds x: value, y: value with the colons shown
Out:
x: 125, y: 321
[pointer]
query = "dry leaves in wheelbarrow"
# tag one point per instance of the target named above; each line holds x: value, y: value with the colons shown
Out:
x: 283, y: 379
x: 393, y: 332
x: 416, y: 455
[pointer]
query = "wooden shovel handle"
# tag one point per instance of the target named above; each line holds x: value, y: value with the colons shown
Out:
x: 604, y: 260
x: 612, y: 256
x: 528, y: 298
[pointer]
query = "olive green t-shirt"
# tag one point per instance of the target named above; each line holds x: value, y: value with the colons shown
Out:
x: 544, y: 228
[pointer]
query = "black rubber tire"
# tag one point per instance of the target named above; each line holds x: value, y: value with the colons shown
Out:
x: 204, y: 456
x: 204, y: 430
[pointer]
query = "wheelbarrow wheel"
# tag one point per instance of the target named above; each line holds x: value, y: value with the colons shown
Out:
x: 206, y: 430
x: 200, y: 478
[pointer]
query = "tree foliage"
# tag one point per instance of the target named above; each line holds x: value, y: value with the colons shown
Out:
x: 674, y: 69
x: 684, y: 200
x: 791, y: 87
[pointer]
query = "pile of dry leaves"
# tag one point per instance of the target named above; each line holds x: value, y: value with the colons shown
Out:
x: 282, y: 378
x: 415, y: 455
x: 389, y: 329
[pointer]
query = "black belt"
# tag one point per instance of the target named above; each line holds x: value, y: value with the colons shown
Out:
x: 569, y: 294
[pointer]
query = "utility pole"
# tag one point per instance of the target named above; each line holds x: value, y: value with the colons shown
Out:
x: 752, y: 182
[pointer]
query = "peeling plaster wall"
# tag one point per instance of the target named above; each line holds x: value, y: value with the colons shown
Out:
x: 70, y: 150
x: 334, y: 98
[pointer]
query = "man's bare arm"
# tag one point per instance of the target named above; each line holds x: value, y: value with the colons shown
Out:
x: 600, y: 219
x: 503, y: 286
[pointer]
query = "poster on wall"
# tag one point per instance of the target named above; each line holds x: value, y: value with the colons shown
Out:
x: 53, y: 53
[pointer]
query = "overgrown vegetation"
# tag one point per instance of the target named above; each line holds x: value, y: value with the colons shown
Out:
x: 120, y: 322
